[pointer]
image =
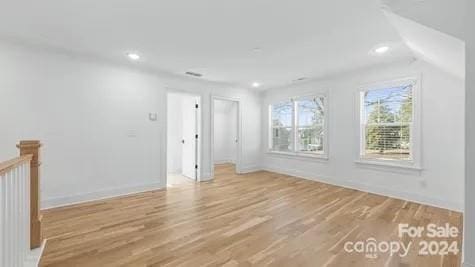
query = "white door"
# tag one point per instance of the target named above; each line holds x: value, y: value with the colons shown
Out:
x: 189, y: 141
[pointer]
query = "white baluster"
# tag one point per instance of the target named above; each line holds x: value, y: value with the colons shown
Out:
x: 25, y: 217
x: 11, y: 220
x: 21, y: 193
x: 9, y: 214
x: 15, y: 215
x: 27, y: 212
x: 2, y: 219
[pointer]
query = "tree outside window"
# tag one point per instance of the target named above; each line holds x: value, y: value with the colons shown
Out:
x: 387, y: 123
x: 298, y: 125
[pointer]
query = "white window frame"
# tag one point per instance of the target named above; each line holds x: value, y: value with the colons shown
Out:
x: 415, y: 137
x: 294, y: 152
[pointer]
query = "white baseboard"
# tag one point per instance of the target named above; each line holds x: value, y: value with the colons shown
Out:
x: 224, y: 161
x: 206, y: 177
x: 250, y: 168
x: 174, y: 170
x: 370, y: 188
x: 91, y: 196
x: 34, y: 257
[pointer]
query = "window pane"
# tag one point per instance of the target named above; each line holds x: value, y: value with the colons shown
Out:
x: 281, y: 139
x: 311, y: 111
x: 388, y: 105
x: 388, y: 142
x: 282, y: 114
x: 310, y: 139
x: 387, y: 123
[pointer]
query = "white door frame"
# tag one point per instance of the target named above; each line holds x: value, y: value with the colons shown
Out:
x: 199, y: 120
x: 239, y: 132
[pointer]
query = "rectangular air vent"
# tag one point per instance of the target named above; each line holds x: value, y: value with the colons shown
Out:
x: 299, y: 79
x: 194, y: 74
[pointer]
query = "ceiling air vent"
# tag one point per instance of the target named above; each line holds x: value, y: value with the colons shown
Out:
x: 299, y: 79
x: 194, y: 74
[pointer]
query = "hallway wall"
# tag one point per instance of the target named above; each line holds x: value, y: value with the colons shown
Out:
x: 174, y: 133
x: 225, y: 131
x: 92, y: 116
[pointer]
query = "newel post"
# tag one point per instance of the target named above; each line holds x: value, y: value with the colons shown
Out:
x: 32, y: 147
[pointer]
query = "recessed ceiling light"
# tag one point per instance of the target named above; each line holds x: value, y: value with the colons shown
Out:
x: 381, y: 49
x: 256, y: 84
x: 133, y: 56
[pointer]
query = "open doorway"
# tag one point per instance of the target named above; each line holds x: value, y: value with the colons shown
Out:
x: 226, y: 136
x: 183, y: 127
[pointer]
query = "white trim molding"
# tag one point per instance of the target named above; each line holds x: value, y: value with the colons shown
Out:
x: 250, y: 168
x: 303, y: 156
x: 369, y: 188
x: 34, y: 257
x: 206, y: 177
x: 415, y: 162
x: 294, y: 125
x: 239, y: 143
x: 388, y: 165
x: 164, y: 135
x: 224, y: 161
x: 98, y: 195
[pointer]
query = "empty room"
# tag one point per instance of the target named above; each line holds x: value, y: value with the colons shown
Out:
x: 237, y: 133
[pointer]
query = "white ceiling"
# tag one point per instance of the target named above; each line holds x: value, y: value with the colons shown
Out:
x: 299, y: 38
x: 446, y: 16
x: 438, y: 48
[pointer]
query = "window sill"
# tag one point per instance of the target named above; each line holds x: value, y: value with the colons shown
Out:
x: 391, y: 165
x: 298, y: 155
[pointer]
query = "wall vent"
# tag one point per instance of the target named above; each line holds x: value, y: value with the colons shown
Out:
x: 300, y: 79
x: 194, y: 74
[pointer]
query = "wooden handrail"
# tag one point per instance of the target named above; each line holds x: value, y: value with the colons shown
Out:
x: 13, y: 163
x: 32, y: 147
x: 29, y: 153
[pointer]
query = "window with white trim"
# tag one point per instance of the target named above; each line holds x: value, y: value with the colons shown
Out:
x: 387, y: 123
x: 298, y: 126
x: 282, y: 119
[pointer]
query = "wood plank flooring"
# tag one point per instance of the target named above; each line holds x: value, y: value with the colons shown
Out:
x: 257, y: 219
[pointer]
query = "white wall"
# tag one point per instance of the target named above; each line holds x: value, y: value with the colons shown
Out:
x: 225, y: 131
x: 174, y: 133
x: 441, y: 183
x: 92, y: 117
x: 469, y: 224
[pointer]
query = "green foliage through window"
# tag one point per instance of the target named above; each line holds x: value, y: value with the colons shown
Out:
x: 304, y: 117
x: 387, y: 122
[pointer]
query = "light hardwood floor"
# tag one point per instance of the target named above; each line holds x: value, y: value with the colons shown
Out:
x: 256, y: 219
x: 175, y: 179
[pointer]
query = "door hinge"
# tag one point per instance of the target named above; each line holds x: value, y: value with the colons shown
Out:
x: 196, y: 166
x: 196, y: 105
x: 196, y: 136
